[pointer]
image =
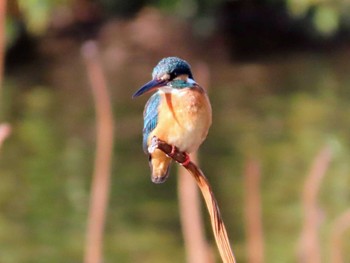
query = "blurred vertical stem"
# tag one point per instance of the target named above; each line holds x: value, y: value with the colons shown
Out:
x: 254, y: 230
x: 2, y: 41
x: 5, y: 129
x: 101, y: 176
x: 197, y: 248
x: 340, y: 226
x: 309, y: 247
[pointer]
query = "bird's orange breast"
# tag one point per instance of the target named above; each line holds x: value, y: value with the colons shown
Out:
x: 184, y: 118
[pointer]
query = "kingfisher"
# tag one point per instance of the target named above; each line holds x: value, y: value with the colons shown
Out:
x: 179, y: 113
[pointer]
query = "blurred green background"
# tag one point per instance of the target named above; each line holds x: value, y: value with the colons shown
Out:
x: 280, y: 91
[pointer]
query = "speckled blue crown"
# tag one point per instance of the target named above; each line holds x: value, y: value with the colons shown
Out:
x: 172, y: 65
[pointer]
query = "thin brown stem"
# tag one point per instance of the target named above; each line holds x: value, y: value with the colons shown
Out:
x: 340, y: 226
x: 197, y: 248
x: 217, y: 223
x: 2, y: 40
x: 309, y: 248
x: 5, y: 130
x: 252, y: 206
x: 102, y: 171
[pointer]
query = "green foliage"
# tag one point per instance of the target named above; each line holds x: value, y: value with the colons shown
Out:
x: 12, y: 31
x: 327, y: 15
x: 37, y: 13
x: 326, y: 20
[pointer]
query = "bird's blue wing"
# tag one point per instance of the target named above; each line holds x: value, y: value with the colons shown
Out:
x: 150, y: 117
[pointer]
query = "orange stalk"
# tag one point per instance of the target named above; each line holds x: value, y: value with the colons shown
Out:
x: 217, y: 223
x: 197, y: 248
x: 2, y: 39
x: 102, y: 170
x: 309, y: 248
x: 340, y: 226
x: 252, y: 211
x: 5, y: 130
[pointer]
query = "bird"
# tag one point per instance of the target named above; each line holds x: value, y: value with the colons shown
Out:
x: 178, y: 113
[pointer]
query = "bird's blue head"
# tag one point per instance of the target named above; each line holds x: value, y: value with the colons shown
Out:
x: 172, y: 72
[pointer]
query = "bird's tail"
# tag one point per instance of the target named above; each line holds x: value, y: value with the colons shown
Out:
x: 159, y: 164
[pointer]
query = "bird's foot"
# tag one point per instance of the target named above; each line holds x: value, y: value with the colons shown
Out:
x: 173, y: 151
x: 153, y: 145
x: 187, y: 160
x: 170, y: 150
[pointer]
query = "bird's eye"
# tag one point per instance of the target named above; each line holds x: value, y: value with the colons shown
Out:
x: 173, y: 75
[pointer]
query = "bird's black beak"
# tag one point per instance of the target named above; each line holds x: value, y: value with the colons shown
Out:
x: 149, y: 86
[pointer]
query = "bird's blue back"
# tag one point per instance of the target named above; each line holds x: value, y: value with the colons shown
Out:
x: 150, y: 117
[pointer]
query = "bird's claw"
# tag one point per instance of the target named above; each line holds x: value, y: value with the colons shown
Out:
x: 187, y: 160
x: 172, y: 153
x: 153, y: 145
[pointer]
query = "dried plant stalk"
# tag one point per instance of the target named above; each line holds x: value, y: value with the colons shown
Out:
x: 309, y: 248
x: 5, y: 130
x: 340, y: 226
x: 101, y: 176
x: 2, y: 39
x: 197, y: 248
x: 217, y: 223
x: 252, y: 206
